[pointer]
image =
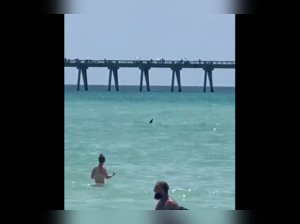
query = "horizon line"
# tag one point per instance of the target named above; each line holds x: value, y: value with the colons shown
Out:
x: 143, y: 85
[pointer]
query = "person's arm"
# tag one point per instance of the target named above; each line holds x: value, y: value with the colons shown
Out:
x: 93, y: 173
x: 106, y: 174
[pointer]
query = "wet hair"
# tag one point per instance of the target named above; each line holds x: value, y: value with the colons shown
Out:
x: 101, y: 158
x: 164, y: 185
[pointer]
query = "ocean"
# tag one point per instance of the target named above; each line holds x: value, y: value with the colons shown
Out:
x: 190, y: 145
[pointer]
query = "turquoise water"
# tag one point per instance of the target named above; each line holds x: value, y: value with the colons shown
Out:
x: 190, y: 145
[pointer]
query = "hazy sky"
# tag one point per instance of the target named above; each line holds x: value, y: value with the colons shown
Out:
x: 150, y: 36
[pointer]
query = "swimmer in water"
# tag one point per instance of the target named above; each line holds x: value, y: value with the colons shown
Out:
x: 165, y: 201
x: 99, y: 173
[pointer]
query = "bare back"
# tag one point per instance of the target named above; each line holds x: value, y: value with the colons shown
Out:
x: 98, y: 174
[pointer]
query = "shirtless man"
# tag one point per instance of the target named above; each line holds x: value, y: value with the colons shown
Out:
x: 165, y: 201
x: 99, y: 173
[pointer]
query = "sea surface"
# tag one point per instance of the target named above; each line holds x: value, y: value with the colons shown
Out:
x: 190, y: 145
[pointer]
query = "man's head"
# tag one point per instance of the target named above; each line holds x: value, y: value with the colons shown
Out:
x: 101, y: 159
x: 161, y: 189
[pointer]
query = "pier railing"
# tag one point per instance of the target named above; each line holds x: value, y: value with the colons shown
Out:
x: 147, y: 62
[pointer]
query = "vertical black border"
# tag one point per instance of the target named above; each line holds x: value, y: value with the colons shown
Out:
x: 244, y: 193
x: 46, y: 119
x: 252, y: 124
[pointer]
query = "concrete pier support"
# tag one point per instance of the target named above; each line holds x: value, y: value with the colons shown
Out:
x: 78, y: 79
x: 141, y: 80
x: 178, y: 80
x: 109, y: 79
x: 172, y: 83
x: 85, y: 80
x: 114, y: 72
x: 144, y: 72
x: 210, y: 81
x: 177, y: 73
x: 116, y: 78
x: 208, y: 73
x: 83, y: 72
x: 205, y: 79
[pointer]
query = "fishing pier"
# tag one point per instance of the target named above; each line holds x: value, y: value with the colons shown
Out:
x: 144, y: 66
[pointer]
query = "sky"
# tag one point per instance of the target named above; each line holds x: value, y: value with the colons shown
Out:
x: 124, y: 36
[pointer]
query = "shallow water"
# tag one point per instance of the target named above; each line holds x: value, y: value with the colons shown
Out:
x: 190, y: 145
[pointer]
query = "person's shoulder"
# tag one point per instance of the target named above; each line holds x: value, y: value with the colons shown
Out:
x: 102, y: 168
x: 172, y: 200
x: 171, y: 204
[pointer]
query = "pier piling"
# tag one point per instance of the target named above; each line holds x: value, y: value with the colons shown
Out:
x: 178, y: 79
x: 205, y: 79
x: 116, y: 78
x: 109, y: 79
x: 172, y: 83
x: 176, y: 71
x: 210, y: 81
x: 144, y: 72
x: 78, y: 79
x: 85, y: 80
x: 141, y: 80
x: 208, y: 73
